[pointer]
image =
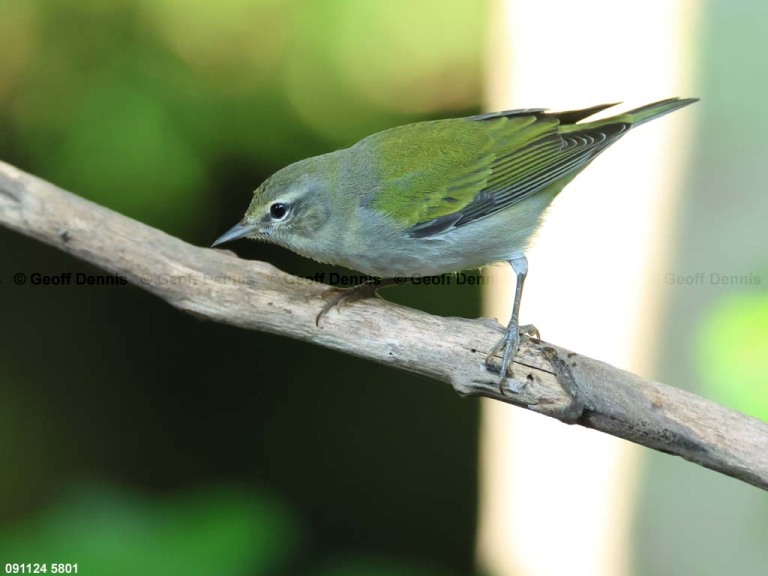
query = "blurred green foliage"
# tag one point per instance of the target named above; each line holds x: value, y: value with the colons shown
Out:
x: 221, y: 530
x: 172, y: 112
x: 104, y: 530
x: 690, y: 520
x: 731, y: 351
x: 132, y: 103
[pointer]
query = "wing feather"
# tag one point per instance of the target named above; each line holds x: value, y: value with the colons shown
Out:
x: 523, y: 172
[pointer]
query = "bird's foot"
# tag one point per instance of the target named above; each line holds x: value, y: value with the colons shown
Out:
x: 339, y: 298
x: 531, y: 331
x: 509, y: 345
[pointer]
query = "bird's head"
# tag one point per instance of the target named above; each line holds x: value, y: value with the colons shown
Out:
x: 292, y: 208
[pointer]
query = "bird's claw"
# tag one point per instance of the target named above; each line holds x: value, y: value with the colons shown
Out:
x: 509, y: 345
x: 340, y: 298
x: 531, y: 331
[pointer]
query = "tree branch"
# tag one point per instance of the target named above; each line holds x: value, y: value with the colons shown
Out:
x: 217, y: 286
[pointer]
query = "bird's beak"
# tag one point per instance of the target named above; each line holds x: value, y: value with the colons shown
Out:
x: 237, y: 231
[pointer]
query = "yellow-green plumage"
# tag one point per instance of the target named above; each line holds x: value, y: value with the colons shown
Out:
x: 436, y: 197
x: 491, y: 153
x: 432, y: 169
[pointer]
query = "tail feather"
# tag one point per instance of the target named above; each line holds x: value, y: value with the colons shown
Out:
x: 629, y: 119
x: 650, y: 111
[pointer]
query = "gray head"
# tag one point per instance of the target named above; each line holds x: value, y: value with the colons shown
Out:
x: 291, y: 207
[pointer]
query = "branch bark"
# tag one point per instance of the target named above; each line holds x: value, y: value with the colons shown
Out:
x: 217, y: 286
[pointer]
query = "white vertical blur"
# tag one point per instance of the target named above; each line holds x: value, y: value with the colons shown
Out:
x: 558, y: 499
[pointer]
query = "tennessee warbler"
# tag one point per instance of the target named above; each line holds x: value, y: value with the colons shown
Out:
x: 435, y: 197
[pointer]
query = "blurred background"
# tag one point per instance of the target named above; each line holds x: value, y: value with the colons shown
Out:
x: 137, y: 440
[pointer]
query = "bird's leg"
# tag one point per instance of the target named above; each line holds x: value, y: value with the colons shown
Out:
x: 340, y: 297
x: 511, y: 340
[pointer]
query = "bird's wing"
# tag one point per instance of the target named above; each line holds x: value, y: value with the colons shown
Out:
x: 454, y: 172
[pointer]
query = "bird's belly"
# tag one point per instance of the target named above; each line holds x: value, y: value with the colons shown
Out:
x: 476, y: 245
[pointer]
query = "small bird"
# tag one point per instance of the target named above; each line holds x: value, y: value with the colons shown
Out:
x: 435, y: 197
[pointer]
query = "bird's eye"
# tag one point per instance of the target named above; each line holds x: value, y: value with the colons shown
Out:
x: 278, y: 210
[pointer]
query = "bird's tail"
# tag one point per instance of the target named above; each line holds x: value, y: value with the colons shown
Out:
x: 628, y: 119
x: 650, y: 111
